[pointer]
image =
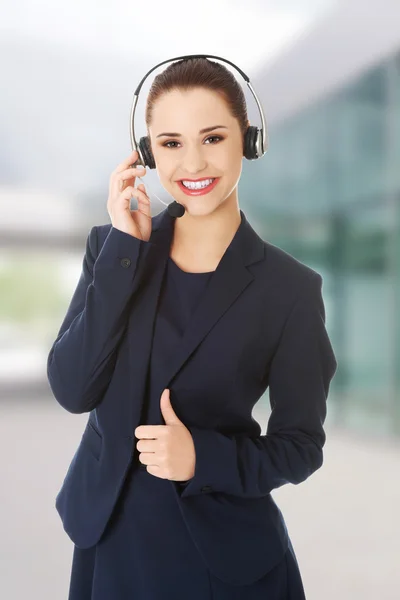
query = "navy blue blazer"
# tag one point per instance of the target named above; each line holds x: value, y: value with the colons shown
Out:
x: 260, y: 324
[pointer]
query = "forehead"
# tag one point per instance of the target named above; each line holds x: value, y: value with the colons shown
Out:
x: 191, y: 109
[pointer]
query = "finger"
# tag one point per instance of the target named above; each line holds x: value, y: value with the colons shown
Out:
x: 142, y: 200
x: 129, y: 192
x: 130, y: 173
x: 128, y: 162
x: 143, y: 189
x: 147, y: 204
x: 151, y: 432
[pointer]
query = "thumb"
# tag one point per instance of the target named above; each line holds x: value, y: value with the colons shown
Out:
x: 168, y: 412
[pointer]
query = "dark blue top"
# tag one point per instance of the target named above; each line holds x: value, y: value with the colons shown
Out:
x: 180, y: 293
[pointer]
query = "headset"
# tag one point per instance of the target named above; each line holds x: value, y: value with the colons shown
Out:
x: 255, y: 140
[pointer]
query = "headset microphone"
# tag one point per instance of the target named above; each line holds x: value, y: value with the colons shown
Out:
x: 176, y: 210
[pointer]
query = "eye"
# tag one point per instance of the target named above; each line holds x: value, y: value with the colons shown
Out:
x: 172, y: 142
x: 210, y: 137
x: 215, y: 137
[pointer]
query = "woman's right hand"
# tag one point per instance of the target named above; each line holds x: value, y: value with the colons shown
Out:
x: 122, y: 180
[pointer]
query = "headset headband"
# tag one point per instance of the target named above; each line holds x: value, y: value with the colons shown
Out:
x: 260, y: 141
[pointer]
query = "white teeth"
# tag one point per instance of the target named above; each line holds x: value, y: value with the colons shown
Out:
x: 197, y: 185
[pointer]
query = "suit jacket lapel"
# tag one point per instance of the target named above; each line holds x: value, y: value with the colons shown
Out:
x: 226, y: 284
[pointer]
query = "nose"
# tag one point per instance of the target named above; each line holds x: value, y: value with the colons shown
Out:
x: 193, y: 162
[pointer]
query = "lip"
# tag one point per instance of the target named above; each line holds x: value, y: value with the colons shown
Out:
x: 194, y: 180
x: 205, y: 190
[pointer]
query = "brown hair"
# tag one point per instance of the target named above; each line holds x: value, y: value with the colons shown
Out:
x: 192, y: 73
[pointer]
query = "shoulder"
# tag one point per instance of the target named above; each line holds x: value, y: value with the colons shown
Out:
x: 285, y: 278
x: 277, y: 267
x: 285, y: 266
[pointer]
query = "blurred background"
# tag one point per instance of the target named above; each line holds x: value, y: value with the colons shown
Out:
x: 327, y: 191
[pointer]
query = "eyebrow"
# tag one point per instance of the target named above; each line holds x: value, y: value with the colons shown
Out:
x: 205, y: 130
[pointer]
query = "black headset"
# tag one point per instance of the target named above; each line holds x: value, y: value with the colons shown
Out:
x: 255, y: 141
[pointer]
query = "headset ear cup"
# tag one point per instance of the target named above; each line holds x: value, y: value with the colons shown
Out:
x: 144, y: 145
x: 250, y: 151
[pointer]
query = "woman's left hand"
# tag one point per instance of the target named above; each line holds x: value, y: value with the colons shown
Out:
x: 167, y: 450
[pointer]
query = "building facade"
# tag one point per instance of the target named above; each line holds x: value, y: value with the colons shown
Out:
x: 331, y: 196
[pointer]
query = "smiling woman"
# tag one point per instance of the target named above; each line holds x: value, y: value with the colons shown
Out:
x: 206, y: 309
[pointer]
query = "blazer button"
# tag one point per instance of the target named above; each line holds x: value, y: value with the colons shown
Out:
x: 125, y: 262
x: 206, y: 488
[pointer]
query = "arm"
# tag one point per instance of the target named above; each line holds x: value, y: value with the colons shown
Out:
x: 82, y: 358
x: 299, y: 379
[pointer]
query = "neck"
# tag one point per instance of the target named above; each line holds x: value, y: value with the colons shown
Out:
x: 205, y: 238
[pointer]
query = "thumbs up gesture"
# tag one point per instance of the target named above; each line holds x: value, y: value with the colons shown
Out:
x: 167, y: 450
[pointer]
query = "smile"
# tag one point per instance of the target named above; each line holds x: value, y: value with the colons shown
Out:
x: 197, y: 189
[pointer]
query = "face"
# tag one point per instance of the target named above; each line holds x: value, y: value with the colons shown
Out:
x: 187, y: 154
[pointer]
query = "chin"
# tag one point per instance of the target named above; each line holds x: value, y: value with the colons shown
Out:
x: 203, y: 213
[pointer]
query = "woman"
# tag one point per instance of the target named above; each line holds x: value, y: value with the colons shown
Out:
x: 190, y: 320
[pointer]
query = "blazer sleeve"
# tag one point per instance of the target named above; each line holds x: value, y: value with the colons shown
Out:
x: 299, y: 378
x: 82, y: 357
